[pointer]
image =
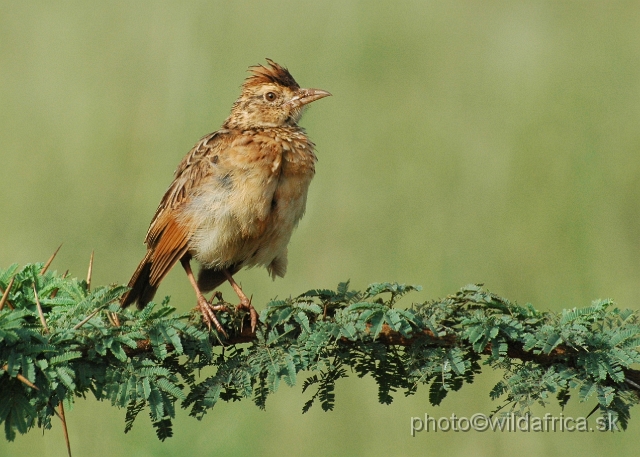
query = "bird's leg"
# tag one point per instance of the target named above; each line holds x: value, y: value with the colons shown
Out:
x: 207, y: 312
x: 221, y: 306
x: 245, y: 303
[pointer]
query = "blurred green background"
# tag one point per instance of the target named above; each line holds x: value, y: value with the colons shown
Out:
x: 492, y: 142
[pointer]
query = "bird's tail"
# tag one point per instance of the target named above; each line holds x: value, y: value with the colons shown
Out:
x: 142, y: 291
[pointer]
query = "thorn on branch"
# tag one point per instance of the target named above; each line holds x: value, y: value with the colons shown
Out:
x: 85, y: 320
x: 5, y: 296
x: 22, y: 379
x: 53, y: 256
x: 114, y: 319
x: 40, y: 313
x: 65, y: 431
x: 90, y: 272
x: 632, y: 384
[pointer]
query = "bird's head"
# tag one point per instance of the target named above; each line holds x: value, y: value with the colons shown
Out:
x: 270, y: 98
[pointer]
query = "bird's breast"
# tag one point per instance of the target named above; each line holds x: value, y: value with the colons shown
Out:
x: 255, y: 201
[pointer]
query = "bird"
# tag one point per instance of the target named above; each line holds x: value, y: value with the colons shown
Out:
x: 236, y: 197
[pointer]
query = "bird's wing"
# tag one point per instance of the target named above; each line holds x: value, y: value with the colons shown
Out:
x: 168, y: 237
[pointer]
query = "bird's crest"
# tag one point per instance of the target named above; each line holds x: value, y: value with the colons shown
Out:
x: 275, y: 74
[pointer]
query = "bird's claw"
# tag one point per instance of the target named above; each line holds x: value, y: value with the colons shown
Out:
x: 246, y: 305
x: 209, y: 316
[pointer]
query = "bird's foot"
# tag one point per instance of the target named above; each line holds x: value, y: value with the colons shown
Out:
x: 245, y: 304
x: 209, y: 316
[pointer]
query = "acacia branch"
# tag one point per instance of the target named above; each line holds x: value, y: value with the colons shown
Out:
x: 153, y: 358
x: 390, y: 337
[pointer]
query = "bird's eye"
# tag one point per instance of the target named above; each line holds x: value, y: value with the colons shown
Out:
x: 270, y: 96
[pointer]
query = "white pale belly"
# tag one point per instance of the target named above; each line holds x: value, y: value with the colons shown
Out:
x: 241, y: 228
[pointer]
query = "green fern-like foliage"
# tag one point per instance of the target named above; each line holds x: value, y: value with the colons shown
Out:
x: 149, y: 360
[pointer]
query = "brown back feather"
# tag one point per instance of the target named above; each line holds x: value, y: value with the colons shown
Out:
x: 167, y: 240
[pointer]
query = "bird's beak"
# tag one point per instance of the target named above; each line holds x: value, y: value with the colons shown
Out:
x: 305, y: 96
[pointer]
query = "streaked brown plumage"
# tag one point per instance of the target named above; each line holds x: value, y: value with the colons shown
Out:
x: 237, y: 195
